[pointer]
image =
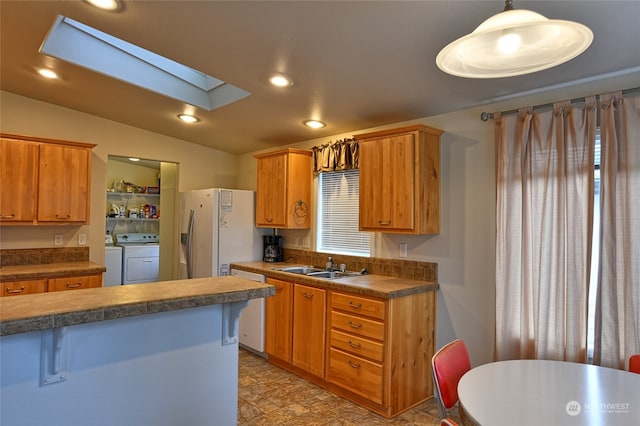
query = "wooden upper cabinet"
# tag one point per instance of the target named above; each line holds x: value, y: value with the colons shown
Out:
x: 400, y: 180
x: 283, y: 197
x: 18, y: 180
x: 63, y: 184
x: 44, y: 181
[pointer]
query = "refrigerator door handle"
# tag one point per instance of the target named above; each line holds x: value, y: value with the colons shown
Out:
x: 189, y: 245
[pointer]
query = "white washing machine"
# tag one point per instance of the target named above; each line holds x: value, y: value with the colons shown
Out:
x: 140, y: 257
x: 113, y: 263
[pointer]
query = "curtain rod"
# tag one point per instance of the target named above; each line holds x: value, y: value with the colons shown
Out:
x: 484, y: 116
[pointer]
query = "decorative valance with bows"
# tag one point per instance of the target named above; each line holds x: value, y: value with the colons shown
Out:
x: 335, y: 156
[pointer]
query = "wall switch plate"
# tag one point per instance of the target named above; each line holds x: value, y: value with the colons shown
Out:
x: 82, y: 239
x: 403, y: 251
x: 296, y: 241
x: 57, y: 240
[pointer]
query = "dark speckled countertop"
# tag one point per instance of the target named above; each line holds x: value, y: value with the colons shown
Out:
x: 369, y: 285
x: 33, y: 312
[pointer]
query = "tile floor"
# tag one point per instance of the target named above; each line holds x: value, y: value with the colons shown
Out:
x: 269, y: 395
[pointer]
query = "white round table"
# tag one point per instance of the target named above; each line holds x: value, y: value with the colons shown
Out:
x: 536, y: 393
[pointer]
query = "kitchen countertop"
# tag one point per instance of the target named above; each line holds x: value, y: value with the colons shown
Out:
x: 49, y: 270
x: 33, y: 312
x: 368, y: 285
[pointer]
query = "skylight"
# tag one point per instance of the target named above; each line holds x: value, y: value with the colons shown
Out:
x: 80, y: 44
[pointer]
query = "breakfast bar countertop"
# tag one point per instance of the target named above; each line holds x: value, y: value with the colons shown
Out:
x: 33, y: 312
x: 49, y: 270
x: 381, y: 286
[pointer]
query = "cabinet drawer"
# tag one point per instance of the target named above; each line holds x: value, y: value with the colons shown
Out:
x: 358, y: 305
x: 356, y: 374
x: 357, y: 325
x: 75, y: 283
x: 356, y: 345
x: 15, y: 288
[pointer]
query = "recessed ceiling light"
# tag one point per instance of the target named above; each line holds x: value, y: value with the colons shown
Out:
x: 105, y: 4
x: 280, y: 81
x: 48, y: 73
x: 133, y: 159
x: 188, y: 118
x: 314, y: 124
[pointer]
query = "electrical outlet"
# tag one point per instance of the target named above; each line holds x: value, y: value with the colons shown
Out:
x: 306, y: 242
x: 82, y: 239
x: 403, y: 250
x: 296, y: 241
x: 57, y: 240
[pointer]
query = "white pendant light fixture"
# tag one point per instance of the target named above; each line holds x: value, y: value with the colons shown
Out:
x: 514, y: 42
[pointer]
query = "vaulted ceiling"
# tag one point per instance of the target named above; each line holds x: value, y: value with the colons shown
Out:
x: 355, y: 64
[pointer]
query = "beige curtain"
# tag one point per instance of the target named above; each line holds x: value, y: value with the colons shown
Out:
x: 617, y: 329
x: 544, y: 226
x: 338, y: 155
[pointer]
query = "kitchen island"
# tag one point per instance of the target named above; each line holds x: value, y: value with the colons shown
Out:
x: 149, y: 354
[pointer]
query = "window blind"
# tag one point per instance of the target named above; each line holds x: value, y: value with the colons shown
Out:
x: 338, y: 214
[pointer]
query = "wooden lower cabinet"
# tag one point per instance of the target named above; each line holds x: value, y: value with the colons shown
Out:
x: 377, y: 352
x: 16, y: 288
x: 309, y: 313
x: 279, y: 320
x: 75, y: 283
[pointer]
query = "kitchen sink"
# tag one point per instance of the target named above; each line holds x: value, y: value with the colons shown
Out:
x: 310, y: 271
x: 301, y: 270
x: 332, y: 274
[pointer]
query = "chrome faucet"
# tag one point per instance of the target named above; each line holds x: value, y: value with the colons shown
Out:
x: 331, y: 265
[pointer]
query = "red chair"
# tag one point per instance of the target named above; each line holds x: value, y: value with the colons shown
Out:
x: 634, y: 363
x: 449, y: 364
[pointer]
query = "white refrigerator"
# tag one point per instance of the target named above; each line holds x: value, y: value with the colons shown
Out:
x: 217, y: 227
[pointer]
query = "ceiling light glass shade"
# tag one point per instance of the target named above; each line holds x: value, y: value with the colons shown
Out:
x: 514, y: 42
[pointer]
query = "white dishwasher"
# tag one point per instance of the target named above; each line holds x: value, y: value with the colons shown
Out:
x: 252, y: 317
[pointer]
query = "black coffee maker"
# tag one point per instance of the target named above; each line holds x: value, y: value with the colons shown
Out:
x: 273, y: 248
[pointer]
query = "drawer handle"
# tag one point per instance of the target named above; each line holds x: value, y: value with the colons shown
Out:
x: 355, y: 305
x: 354, y: 325
x: 147, y: 261
x: 355, y: 345
x: 353, y: 364
x: 269, y: 219
x: 18, y: 290
x: 8, y: 216
x: 76, y: 285
x: 60, y: 216
x: 384, y: 223
x: 308, y: 295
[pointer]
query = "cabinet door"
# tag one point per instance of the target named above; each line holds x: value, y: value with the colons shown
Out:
x: 75, y: 283
x: 18, y: 173
x: 309, y: 313
x: 278, y: 319
x: 16, y: 288
x: 387, y: 183
x: 63, y: 183
x: 271, y: 198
